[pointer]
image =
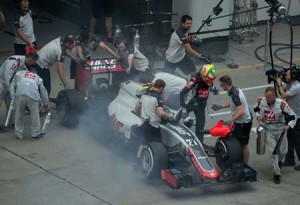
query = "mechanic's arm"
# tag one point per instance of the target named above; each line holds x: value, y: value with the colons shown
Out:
x: 60, y: 71
x: 130, y: 61
x: 238, y: 113
x: 280, y: 89
x: 138, y: 108
x: 188, y: 48
x: 22, y: 37
x: 106, y: 48
x: 225, y: 105
x: 162, y: 114
x: 79, y: 51
x: 291, y: 116
x: 259, y: 118
x: 2, y: 20
x: 13, y: 87
x: 43, y: 92
x: 9, y: 73
x: 190, y: 85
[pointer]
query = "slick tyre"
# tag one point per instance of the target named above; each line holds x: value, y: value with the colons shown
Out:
x: 154, y: 158
x: 228, y: 151
x: 69, y: 106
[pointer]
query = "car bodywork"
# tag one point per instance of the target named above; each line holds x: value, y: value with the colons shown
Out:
x: 181, y: 160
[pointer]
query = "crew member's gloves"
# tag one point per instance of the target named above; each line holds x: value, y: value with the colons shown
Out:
x: 117, y: 56
x: 215, y: 91
x: 216, y: 107
x: 185, y: 116
x: 204, y: 59
x: 226, y: 122
x: 67, y: 87
x: 82, y: 61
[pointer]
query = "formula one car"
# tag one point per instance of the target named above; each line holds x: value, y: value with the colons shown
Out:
x: 180, y: 160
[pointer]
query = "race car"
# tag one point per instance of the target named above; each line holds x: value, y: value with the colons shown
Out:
x: 180, y: 160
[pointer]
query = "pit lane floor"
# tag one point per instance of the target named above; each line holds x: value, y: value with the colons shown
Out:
x: 87, y: 166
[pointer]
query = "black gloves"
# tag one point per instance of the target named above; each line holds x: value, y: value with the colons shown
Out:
x: 204, y: 59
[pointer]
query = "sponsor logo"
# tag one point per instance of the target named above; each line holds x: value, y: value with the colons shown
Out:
x: 269, y: 115
x: 103, y: 64
x: 30, y: 75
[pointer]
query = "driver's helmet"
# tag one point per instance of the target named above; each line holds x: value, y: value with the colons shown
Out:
x: 208, y: 73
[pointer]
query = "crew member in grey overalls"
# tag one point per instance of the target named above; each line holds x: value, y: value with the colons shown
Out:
x: 27, y: 89
x: 270, y: 111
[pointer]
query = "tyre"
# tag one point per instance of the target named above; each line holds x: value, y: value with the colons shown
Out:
x: 154, y: 158
x: 228, y: 151
x: 69, y: 106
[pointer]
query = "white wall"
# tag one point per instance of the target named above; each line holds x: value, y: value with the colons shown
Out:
x: 200, y: 9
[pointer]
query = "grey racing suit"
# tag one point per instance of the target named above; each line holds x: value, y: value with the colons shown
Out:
x: 273, y: 119
x: 27, y: 89
x: 7, y: 71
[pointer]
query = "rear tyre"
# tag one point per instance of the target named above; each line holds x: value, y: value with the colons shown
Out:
x: 69, y: 106
x: 154, y: 158
x: 228, y: 151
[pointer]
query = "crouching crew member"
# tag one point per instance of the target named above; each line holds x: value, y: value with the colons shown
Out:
x: 27, y: 90
x: 54, y: 52
x: 151, y: 109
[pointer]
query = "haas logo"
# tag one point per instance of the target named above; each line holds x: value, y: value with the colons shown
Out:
x: 269, y: 115
x: 103, y: 64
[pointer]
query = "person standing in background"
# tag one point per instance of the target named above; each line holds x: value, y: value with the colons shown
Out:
x: 105, y: 7
x: 292, y: 95
x: 23, y: 24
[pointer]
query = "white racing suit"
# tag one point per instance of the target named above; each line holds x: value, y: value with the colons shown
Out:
x: 27, y: 89
x: 274, y: 123
x: 7, y: 71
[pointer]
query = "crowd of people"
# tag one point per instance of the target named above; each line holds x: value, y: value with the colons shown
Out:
x: 25, y: 83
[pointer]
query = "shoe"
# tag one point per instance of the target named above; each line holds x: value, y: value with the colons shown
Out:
x: 37, y: 137
x: 288, y: 164
x: 20, y: 138
x: 297, y: 168
x: 2, y: 130
x: 277, y: 179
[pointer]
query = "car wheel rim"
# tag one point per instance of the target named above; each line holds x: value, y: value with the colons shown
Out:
x: 146, y: 162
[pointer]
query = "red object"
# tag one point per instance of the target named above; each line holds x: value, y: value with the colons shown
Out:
x: 169, y: 179
x: 30, y: 50
x: 220, y: 130
x: 100, y: 67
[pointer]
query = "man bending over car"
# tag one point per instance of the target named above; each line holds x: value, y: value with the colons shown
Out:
x: 151, y: 109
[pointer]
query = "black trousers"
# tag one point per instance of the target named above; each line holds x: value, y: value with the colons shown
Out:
x: 44, y: 73
x: 198, y: 106
x: 186, y: 66
x: 293, y: 137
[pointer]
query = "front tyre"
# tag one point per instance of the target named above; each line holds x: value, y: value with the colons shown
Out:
x: 154, y: 158
x: 228, y: 151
